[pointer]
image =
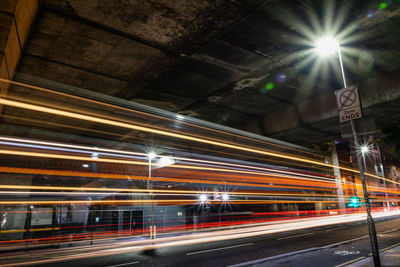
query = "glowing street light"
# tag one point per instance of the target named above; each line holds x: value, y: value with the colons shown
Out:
x: 364, y: 149
x: 225, y: 197
x: 203, y: 198
x: 325, y: 47
x: 328, y: 45
x: 151, y: 155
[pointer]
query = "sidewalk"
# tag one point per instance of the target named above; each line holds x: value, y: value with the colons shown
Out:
x: 390, y: 257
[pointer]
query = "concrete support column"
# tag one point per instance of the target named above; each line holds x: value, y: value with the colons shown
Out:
x: 24, y: 15
x: 338, y: 177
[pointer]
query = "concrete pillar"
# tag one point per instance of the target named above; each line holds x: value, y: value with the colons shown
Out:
x: 338, y: 177
x: 24, y: 15
x: 379, y: 166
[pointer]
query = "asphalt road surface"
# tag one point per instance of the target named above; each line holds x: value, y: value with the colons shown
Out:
x: 332, y: 245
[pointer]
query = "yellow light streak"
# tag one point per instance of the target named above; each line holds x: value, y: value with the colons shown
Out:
x: 145, y: 155
x: 170, y: 134
x: 28, y: 230
x: 151, y: 130
x: 138, y: 112
x: 160, y: 201
x: 131, y: 162
x: 120, y: 176
x: 167, y: 193
x: 164, y: 179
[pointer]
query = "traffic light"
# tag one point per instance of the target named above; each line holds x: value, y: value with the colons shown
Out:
x: 355, y: 202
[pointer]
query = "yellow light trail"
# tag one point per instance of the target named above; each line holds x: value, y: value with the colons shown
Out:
x: 21, y: 140
x: 170, y: 134
x: 155, y: 131
x: 164, y: 179
x: 131, y: 162
x: 135, y: 111
x: 159, y: 193
x: 121, y: 176
x: 160, y: 201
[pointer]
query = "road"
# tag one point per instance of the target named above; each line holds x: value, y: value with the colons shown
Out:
x: 328, y: 245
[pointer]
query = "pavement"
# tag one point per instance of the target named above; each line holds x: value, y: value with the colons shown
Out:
x: 390, y: 257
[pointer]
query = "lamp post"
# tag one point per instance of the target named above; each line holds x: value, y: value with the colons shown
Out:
x: 365, y: 149
x: 150, y: 156
x: 325, y: 47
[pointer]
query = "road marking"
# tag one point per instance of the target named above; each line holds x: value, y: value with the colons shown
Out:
x: 248, y: 263
x: 346, y: 252
x: 294, y: 236
x: 262, y: 260
x: 124, y: 264
x: 335, y: 229
x: 390, y: 231
x: 350, y: 261
x: 389, y: 247
x: 215, y: 249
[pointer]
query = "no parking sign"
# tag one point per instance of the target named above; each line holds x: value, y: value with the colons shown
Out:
x: 348, y: 103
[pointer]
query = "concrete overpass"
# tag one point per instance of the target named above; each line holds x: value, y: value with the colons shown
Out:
x: 211, y: 60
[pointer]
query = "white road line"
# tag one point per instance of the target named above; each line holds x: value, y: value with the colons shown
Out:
x: 335, y: 229
x: 294, y: 236
x: 263, y: 260
x: 350, y: 261
x: 124, y: 264
x: 208, y: 250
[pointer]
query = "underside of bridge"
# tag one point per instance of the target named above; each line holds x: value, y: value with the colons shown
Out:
x: 240, y: 63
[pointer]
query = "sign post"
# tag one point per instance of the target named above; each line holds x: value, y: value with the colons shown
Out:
x: 349, y: 107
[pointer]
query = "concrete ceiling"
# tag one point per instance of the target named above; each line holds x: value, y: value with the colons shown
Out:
x: 212, y: 59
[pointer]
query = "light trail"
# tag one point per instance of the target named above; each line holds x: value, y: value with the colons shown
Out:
x: 155, y: 131
x: 166, y: 193
x: 162, y: 179
x: 141, y: 112
x: 143, y: 163
x: 118, y: 176
x: 225, y: 225
x: 158, y: 201
x: 49, y: 144
x: 170, y: 134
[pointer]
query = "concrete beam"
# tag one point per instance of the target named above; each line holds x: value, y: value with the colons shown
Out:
x: 376, y: 93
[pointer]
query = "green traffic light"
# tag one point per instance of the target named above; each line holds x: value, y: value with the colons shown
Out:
x: 354, y: 202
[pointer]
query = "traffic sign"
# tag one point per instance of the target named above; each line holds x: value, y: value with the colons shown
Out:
x: 348, y: 103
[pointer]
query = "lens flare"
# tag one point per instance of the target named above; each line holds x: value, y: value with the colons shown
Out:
x: 281, y: 78
x: 269, y: 86
x: 371, y: 14
x: 383, y: 5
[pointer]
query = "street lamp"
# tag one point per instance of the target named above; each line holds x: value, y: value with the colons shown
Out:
x: 203, y: 198
x: 225, y: 197
x: 324, y: 47
x: 364, y: 150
